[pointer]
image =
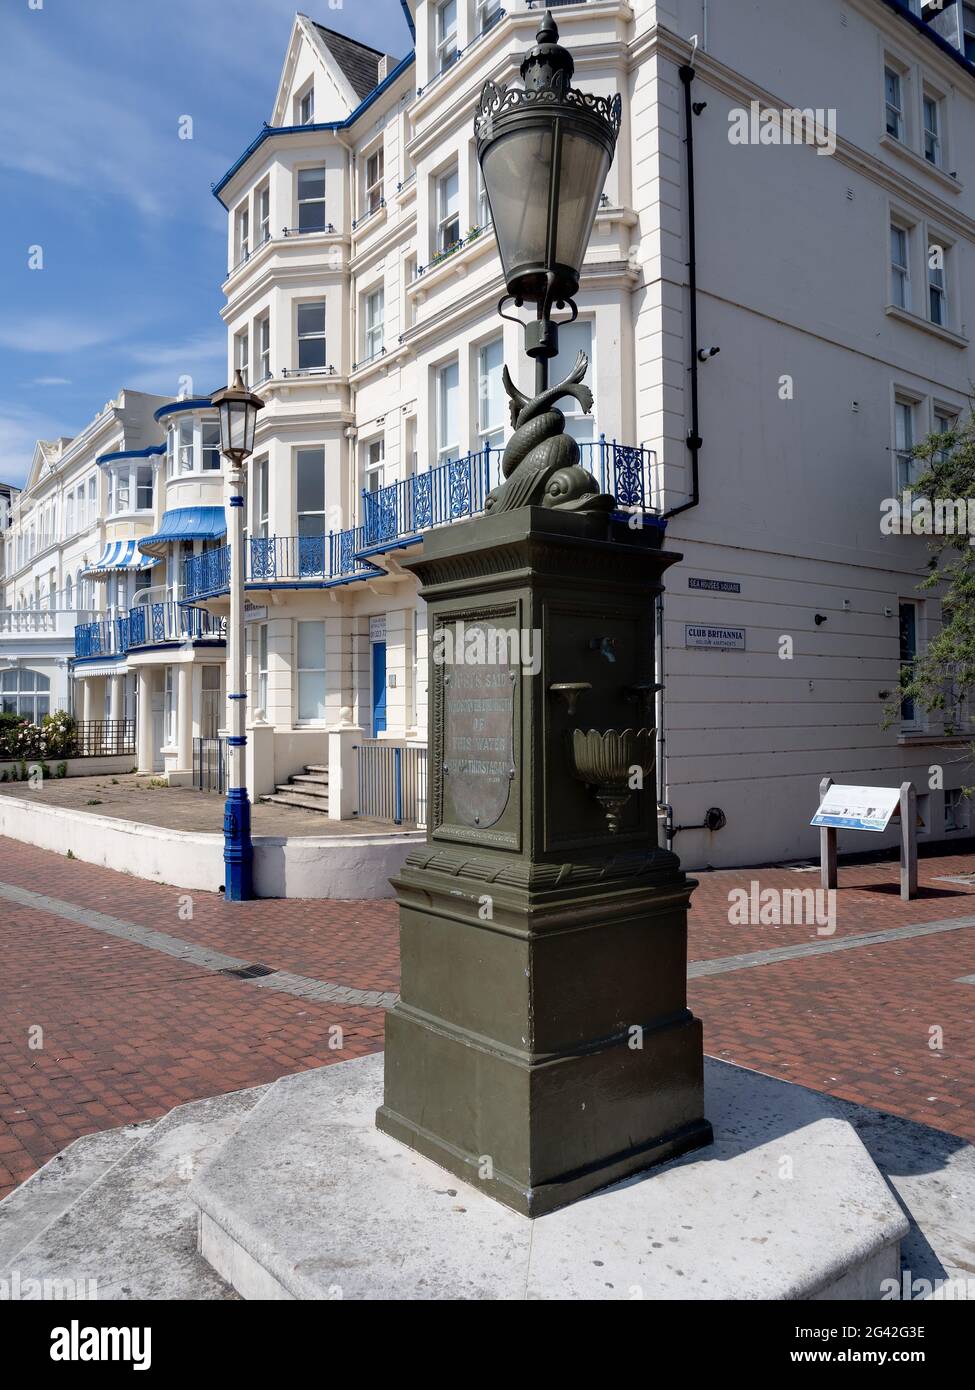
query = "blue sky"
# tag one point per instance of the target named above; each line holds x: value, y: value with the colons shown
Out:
x: 92, y: 170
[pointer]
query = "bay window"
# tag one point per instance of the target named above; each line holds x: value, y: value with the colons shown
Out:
x: 210, y: 446
x: 310, y: 491
x: 446, y: 35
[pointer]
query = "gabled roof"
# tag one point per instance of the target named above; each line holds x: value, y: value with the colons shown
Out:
x: 358, y: 61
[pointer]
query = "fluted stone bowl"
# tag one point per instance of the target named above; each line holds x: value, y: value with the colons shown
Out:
x: 606, y: 761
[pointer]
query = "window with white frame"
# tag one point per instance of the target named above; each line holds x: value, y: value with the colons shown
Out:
x: 306, y: 106
x: 93, y: 499
x: 310, y: 666
x: 932, y: 129
x: 375, y: 174
x: 170, y: 451
x: 264, y: 346
x: 375, y: 464
x: 900, y: 266
x: 375, y: 309
x: 904, y: 442
x: 490, y: 394
x: 894, y: 102
x: 210, y: 446
x: 445, y: 35
x: 25, y: 693
x: 482, y: 212
x: 310, y: 491
x: 262, y: 207
x: 261, y: 496
x: 185, y: 449
x: 262, y: 666
x: 938, y: 283
x: 487, y: 14
x: 311, y: 200
x: 448, y: 412
x: 242, y: 234
x: 311, y: 334
x: 575, y: 338
x: 448, y: 209
x: 242, y: 355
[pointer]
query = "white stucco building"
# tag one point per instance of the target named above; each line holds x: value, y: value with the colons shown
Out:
x: 361, y: 302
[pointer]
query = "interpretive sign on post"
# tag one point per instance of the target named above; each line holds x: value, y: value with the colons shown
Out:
x: 867, y: 808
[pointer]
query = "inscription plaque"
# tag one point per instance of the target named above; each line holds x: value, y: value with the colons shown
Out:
x: 478, y: 747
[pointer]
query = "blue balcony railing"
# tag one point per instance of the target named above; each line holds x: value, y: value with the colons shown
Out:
x: 150, y: 625
x: 402, y: 511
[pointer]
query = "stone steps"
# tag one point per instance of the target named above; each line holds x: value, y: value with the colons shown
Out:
x: 128, y: 1227
x: 306, y: 791
x: 48, y: 1193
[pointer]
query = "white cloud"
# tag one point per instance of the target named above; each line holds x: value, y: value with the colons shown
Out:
x: 202, y: 358
x: 50, y: 381
x: 53, y: 333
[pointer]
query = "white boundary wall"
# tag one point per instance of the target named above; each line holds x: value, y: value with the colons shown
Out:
x: 339, y: 866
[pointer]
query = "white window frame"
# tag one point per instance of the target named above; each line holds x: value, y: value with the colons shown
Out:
x: 263, y: 336
x: 447, y: 449
x: 486, y: 15
x: 374, y: 322
x: 301, y: 671
x: 262, y: 212
x: 305, y: 106
x: 374, y: 463
x: 261, y: 497
x: 322, y: 512
x: 319, y: 335
x: 894, y: 106
x: 488, y: 432
x: 186, y: 450
x: 931, y: 132
x: 915, y: 720
x: 445, y: 39
x: 906, y: 466
x: 242, y: 354
x: 374, y: 179
x: 938, y: 283
x: 318, y: 201
x: 900, y: 274
x: 262, y: 666
x: 242, y: 234
x: 448, y: 209
x: 210, y: 424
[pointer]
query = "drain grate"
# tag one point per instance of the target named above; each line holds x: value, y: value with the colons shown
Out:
x: 249, y: 972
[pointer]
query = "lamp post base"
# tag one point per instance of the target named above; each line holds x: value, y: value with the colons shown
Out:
x: 238, y: 850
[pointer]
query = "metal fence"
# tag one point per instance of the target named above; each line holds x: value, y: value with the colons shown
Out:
x: 210, y: 764
x: 392, y: 782
x: 105, y: 738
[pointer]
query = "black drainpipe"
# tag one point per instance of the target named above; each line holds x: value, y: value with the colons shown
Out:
x: 694, y: 440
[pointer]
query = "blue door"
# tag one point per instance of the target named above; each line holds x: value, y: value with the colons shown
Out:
x: 378, y: 688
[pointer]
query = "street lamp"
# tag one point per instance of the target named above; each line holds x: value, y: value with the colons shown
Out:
x: 545, y: 149
x: 238, y: 409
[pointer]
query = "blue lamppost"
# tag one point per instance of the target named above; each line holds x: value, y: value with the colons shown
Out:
x: 238, y: 409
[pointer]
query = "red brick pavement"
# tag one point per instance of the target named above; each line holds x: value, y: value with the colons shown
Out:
x: 129, y: 1032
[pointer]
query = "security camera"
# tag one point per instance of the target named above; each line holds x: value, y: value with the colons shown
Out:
x: 705, y: 354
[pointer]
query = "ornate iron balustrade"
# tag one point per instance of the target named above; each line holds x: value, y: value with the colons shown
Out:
x: 401, y: 511
x: 150, y: 625
x: 458, y: 488
x: 156, y: 624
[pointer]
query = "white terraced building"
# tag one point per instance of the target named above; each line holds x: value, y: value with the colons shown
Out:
x: 361, y: 305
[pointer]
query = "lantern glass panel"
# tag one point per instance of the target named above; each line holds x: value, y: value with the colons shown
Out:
x: 582, y: 173
x: 517, y: 175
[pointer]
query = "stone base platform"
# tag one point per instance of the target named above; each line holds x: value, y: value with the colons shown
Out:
x: 308, y: 1200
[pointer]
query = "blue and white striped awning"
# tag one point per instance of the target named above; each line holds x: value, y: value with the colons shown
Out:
x: 120, y: 555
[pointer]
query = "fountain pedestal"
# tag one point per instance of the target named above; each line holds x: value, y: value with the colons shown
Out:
x: 542, y: 1047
